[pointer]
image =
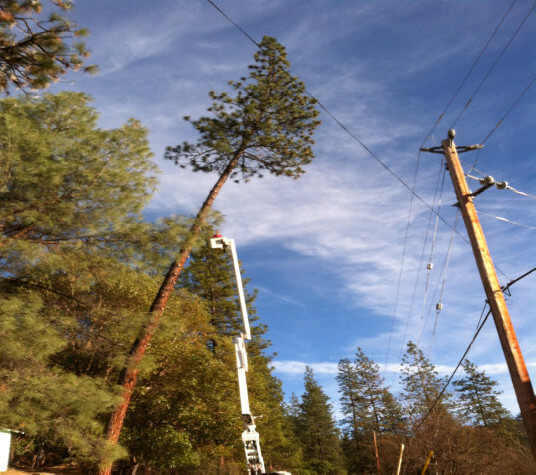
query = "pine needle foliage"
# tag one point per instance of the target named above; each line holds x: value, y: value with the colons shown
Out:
x: 36, y: 50
x: 316, y: 428
x: 478, y: 398
x: 267, y: 118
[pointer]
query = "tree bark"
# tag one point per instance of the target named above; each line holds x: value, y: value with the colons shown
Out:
x: 129, y: 374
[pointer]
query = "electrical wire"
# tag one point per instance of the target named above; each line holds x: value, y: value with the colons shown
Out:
x: 514, y: 104
x: 464, y: 80
x: 492, y: 67
x: 430, y: 260
x: 440, y: 276
x: 404, y: 248
x: 444, y: 272
x: 500, y: 218
x: 421, y: 260
x: 345, y: 129
x: 480, y: 325
x: 440, y: 395
x: 431, y: 134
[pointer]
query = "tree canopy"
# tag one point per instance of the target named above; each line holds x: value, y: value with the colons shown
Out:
x: 37, y: 50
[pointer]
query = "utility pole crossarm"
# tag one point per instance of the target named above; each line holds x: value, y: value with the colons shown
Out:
x: 512, y: 352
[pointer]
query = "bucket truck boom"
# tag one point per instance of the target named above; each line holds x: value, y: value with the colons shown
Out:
x: 250, y: 436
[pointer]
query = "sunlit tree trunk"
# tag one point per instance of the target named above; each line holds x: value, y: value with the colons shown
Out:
x: 129, y: 374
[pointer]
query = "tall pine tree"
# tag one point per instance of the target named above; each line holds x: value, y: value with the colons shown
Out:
x: 477, y: 397
x: 368, y: 407
x: 76, y: 259
x: 316, y: 428
x: 267, y: 125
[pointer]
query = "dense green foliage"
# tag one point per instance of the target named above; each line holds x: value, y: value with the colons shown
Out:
x: 478, y: 400
x: 78, y: 266
x: 37, y: 50
x: 369, y: 407
x: 316, y: 428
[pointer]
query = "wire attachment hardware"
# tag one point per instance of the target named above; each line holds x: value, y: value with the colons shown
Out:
x: 459, y: 148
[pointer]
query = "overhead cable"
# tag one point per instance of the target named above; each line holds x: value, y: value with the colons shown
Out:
x: 421, y: 259
x: 506, y: 220
x: 514, y: 104
x: 346, y: 130
x: 480, y: 325
x: 464, y: 80
x: 492, y: 67
x: 440, y: 395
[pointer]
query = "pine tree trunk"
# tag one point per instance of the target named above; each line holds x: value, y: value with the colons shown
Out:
x: 129, y: 374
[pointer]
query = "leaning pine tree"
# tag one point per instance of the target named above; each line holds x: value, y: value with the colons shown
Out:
x: 265, y: 125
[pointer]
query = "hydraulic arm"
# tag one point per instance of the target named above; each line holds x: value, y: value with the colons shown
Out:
x: 250, y: 436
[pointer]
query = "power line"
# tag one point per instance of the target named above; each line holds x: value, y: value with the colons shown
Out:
x: 440, y: 395
x: 404, y: 248
x: 442, y: 277
x: 464, y: 80
x: 490, y: 70
x: 430, y: 261
x: 421, y: 259
x: 500, y: 218
x: 345, y: 129
x: 430, y: 134
x: 514, y: 104
x: 481, y: 324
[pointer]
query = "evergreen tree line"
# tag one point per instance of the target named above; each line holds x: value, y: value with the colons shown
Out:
x: 468, y: 429
x: 79, y: 266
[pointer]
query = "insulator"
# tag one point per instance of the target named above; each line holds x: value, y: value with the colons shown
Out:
x: 430, y: 265
x: 439, y: 306
x: 502, y: 185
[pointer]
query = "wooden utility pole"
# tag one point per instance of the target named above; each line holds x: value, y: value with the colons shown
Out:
x: 512, y: 352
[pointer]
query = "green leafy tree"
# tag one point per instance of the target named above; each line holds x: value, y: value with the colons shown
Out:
x: 316, y: 428
x: 35, y: 51
x: 265, y: 126
x: 210, y: 275
x: 478, y: 398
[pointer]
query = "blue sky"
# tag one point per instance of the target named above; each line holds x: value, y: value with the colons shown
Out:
x: 325, y: 251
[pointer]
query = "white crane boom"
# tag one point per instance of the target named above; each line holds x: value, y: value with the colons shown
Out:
x: 250, y: 436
